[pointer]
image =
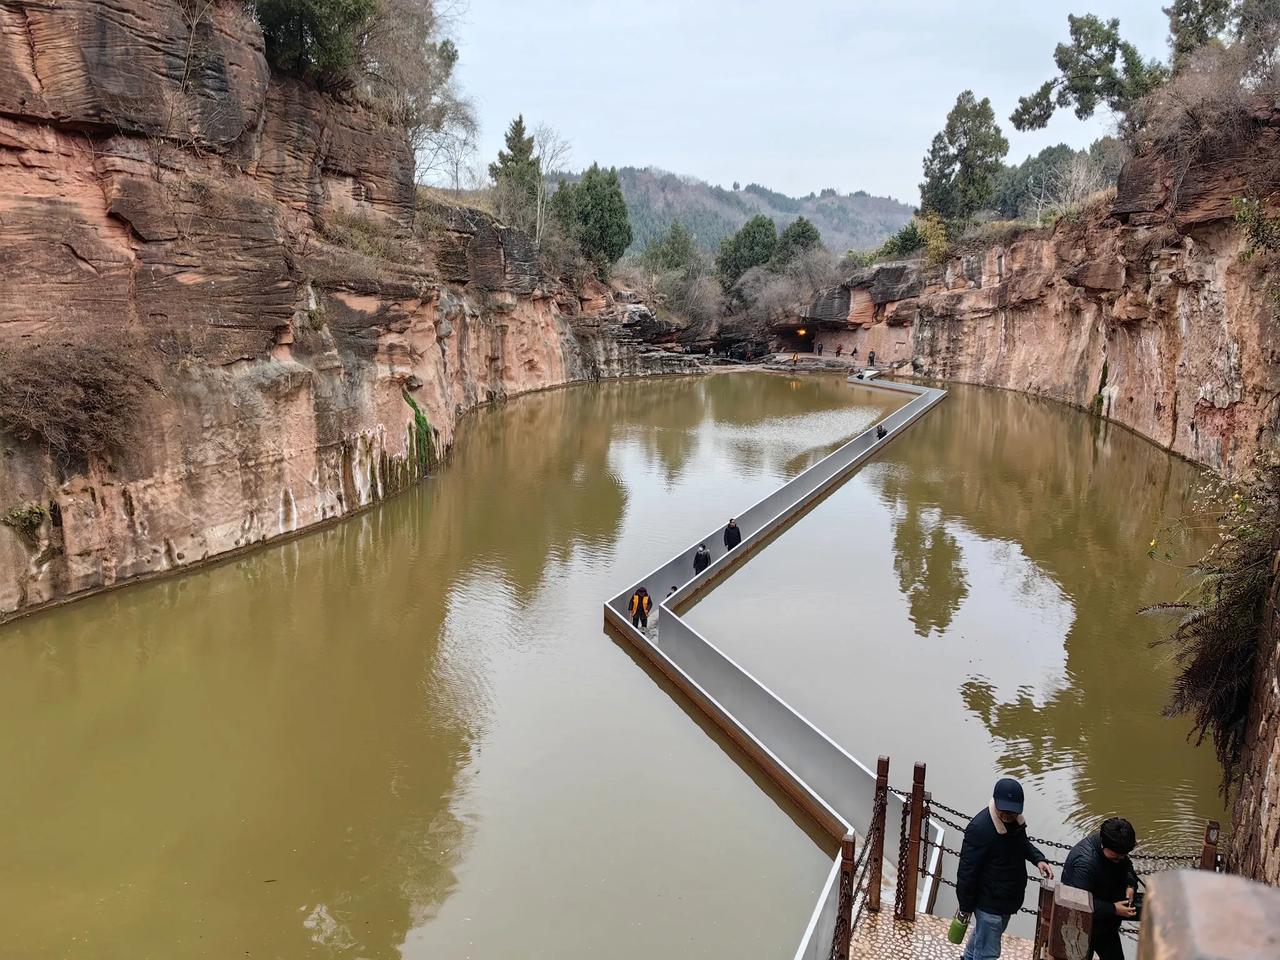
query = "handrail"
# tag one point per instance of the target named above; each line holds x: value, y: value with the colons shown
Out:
x: 824, y: 778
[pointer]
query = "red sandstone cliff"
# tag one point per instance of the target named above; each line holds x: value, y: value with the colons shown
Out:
x: 1140, y: 309
x: 159, y: 188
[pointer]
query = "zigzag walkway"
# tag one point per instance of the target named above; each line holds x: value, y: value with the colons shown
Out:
x: 828, y: 782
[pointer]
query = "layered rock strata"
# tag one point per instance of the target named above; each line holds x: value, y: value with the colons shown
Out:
x: 1141, y: 309
x: 308, y: 335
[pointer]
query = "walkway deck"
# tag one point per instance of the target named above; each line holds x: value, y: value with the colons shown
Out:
x: 880, y: 937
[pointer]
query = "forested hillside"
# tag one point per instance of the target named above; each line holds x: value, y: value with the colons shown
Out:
x: 856, y: 221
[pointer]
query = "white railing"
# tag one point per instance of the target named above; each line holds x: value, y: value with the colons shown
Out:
x: 822, y: 776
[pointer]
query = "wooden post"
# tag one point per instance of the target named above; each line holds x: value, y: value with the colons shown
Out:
x: 876, y: 830
x: 1209, y: 854
x: 911, y: 875
x: 844, y: 918
x: 1044, y: 913
x: 1071, y: 923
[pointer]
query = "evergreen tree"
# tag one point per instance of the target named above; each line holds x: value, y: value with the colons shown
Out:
x: 672, y: 251
x: 1193, y: 23
x: 963, y: 161
x: 516, y: 174
x: 752, y: 246
x: 1096, y: 68
x: 318, y: 39
x: 800, y: 235
x: 593, y: 214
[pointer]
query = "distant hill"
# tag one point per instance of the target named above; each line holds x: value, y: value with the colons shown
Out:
x: 856, y: 221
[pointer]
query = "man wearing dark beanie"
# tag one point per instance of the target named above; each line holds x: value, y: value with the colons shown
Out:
x: 1100, y: 864
x: 991, y: 881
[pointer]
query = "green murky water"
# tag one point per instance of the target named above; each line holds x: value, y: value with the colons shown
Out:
x: 407, y: 735
x: 970, y: 600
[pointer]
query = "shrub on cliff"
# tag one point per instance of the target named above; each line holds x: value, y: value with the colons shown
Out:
x: 79, y: 400
x: 1218, y: 632
x: 318, y: 39
x: 752, y: 246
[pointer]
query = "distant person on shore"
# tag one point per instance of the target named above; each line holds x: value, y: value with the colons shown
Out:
x: 853, y: 354
x: 839, y: 349
x: 795, y: 358
x: 1100, y: 864
x: 701, y: 559
x: 732, y: 535
x: 991, y: 881
x: 641, y: 603
x: 819, y: 349
x: 871, y: 359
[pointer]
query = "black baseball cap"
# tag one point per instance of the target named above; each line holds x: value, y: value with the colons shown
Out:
x: 1008, y: 795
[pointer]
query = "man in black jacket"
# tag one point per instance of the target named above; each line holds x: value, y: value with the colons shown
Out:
x: 732, y: 535
x: 1100, y: 864
x: 991, y: 881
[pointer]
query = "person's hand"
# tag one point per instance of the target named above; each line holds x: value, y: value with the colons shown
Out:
x: 1124, y: 910
x: 1046, y: 871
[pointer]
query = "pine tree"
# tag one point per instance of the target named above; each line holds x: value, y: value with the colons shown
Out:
x: 800, y: 235
x: 963, y: 161
x: 516, y: 173
x: 593, y: 213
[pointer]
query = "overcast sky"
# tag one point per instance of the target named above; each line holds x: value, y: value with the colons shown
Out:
x: 794, y: 94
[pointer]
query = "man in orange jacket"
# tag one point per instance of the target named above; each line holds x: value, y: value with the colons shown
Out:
x: 639, y: 608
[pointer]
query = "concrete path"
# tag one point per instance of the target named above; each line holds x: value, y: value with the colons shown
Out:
x: 880, y: 937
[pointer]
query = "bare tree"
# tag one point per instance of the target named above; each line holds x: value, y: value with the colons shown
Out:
x: 1071, y: 185
x: 552, y: 151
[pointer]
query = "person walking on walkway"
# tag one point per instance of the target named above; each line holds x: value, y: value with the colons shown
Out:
x: 818, y: 349
x: 839, y: 349
x: 732, y: 535
x: 641, y: 603
x: 1100, y: 864
x: 871, y: 359
x: 991, y: 881
x: 701, y: 559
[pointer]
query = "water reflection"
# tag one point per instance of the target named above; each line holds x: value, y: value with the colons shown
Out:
x: 405, y: 735
x: 970, y: 600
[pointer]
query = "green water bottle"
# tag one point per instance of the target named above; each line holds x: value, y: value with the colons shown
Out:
x: 959, y: 924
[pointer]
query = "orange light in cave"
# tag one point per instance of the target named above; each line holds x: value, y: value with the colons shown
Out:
x: 800, y: 332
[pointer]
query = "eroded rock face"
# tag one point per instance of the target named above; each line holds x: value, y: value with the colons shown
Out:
x: 180, y: 207
x: 1143, y: 312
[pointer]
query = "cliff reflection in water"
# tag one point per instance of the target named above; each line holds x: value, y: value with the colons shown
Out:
x: 405, y: 735
x: 989, y: 568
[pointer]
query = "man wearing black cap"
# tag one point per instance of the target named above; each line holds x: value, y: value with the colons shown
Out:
x: 1100, y: 864
x: 991, y: 881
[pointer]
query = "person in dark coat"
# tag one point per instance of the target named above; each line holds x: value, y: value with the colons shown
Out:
x: 732, y: 535
x: 871, y: 359
x: 1100, y: 864
x: 701, y: 559
x: 641, y: 603
x: 991, y: 881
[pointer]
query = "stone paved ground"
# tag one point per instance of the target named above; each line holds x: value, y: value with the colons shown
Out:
x: 880, y: 937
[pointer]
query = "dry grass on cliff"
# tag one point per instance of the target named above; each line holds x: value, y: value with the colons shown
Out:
x: 79, y: 400
x: 370, y: 237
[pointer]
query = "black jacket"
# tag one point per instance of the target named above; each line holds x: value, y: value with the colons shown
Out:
x: 992, y: 876
x: 701, y: 560
x: 732, y: 537
x: 1088, y: 868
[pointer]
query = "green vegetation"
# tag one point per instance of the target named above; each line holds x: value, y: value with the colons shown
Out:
x: 1262, y: 233
x: 1097, y: 68
x: 421, y: 437
x: 963, y: 161
x: 516, y: 175
x: 1217, y: 637
x: 593, y: 214
x: 25, y: 520
x: 672, y: 251
x: 752, y: 246
x: 800, y: 235
x: 319, y: 39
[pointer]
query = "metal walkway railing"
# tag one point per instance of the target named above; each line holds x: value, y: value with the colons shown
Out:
x: 819, y: 774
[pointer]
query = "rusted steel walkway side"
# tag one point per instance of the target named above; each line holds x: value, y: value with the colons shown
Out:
x: 880, y: 937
